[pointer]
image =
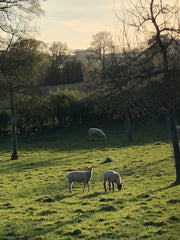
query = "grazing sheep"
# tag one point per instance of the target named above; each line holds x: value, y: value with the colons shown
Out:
x: 96, y: 133
x: 80, y: 176
x: 112, y: 177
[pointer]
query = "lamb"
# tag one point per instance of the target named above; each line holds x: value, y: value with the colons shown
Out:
x: 96, y: 133
x: 80, y: 176
x: 112, y: 177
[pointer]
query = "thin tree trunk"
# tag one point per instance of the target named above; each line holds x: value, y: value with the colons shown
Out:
x: 128, y: 126
x: 13, y: 126
x: 175, y: 142
x: 170, y: 110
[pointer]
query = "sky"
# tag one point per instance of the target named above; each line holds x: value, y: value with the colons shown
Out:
x: 75, y: 21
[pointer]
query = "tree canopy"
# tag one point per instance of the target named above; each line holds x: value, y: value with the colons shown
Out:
x: 16, y: 14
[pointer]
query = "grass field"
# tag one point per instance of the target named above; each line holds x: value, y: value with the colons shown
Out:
x: 34, y: 198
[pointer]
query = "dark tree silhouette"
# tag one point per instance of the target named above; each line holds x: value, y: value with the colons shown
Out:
x: 160, y: 21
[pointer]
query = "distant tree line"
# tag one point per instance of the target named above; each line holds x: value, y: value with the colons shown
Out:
x: 121, y: 90
x: 63, y: 67
x: 60, y: 108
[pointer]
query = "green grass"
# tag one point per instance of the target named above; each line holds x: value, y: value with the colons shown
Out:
x: 34, y: 198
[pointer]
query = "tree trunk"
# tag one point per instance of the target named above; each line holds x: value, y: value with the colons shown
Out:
x: 13, y: 125
x: 175, y: 142
x: 128, y: 126
x: 170, y: 109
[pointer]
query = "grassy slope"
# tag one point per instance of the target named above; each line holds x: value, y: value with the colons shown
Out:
x: 34, y: 198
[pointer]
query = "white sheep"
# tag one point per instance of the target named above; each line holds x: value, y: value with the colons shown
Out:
x: 96, y: 133
x: 80, y: 176
x: 112, y: 177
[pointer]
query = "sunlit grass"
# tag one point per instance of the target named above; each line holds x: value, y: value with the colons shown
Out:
x: 34, y: 198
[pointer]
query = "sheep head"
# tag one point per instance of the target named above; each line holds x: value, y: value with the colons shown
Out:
x: 119, y: 186
x: 91, y: 166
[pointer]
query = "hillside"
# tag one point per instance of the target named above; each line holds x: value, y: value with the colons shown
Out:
x: 34, y: 199
x: 44, y: 90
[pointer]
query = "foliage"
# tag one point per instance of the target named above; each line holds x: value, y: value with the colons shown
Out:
x: 4, y: 119
x: 102, y: 45
x: 24, y: 63
x: 72, y: 72
x: 58, y: 53
x: 21, y: 67
x: 72, y: 107
x: 15, y: 17
x: 66, y: 105
x: 91, y: 70
x: 54, y: 76
x: 35, y: 203
x: 32, y: 113
x: 160, y: 21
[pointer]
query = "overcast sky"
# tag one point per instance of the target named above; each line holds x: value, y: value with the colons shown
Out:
x: 75, y: 21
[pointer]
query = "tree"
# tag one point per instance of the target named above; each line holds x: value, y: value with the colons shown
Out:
x: 59, y: 52
x: 66, y: 106
x: 58, y: 55
x: 102, y: 45
x: 15, y: 16
x: 32, y: 112
x: 160, y: 21
x: 72, y: 71
x: 20, y: 67
x: 14, y: 11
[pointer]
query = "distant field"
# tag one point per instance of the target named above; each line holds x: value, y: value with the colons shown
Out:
x: 34, y: 198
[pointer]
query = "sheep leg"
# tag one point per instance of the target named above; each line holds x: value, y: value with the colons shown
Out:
x: 84, y: 186
x: 70, y: 187
x: 105, y: 186
x: 109, y: 186
x: 113, y: 186
x: 88, y: 186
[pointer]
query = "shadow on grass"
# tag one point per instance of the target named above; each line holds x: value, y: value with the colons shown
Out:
x: 75, y: 138
x: 174, y: 184
x: 52, y: 199
x: 20, y: 165
x: 92, y: 195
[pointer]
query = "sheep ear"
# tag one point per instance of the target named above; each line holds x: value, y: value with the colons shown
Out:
x: 86, y: 167
x: 92, y: 166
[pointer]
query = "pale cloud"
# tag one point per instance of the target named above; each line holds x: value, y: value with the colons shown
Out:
x: 85, y: 27
x: 77, y: 9
x: 75, y: 21
x: 76, y: 33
